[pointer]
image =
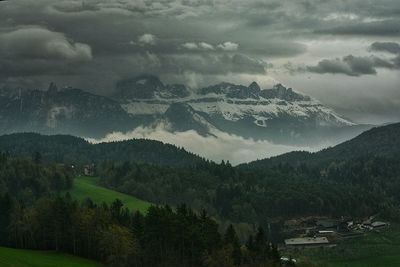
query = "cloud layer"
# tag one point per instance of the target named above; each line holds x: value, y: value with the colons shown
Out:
x: 352, y: 66
x: 40, y: 43
x: 390, y: 47
x: 94, y: 43
x: 35, y: 50
x: 221, y: 146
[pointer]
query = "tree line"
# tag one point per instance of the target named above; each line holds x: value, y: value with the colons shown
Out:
x: 36, y: 213
x: 118, y: 237
x: 69, y: 149
x: 357, y: 188
x: 27, y: 180
x: 335, y: 182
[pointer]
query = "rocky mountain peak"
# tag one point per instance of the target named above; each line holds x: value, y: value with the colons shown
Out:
x: 182, y: 117
x: 140, y: 87
x: 177, y: 90
x: 254, y: 87
x: 53, y: 89
x: 149, y: 80
x: 148, y: 87
x: 281, y: 92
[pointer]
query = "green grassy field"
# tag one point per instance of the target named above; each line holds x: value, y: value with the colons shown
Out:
x: 31, y: 258
x: 374, y: 250
x: 88, y: 187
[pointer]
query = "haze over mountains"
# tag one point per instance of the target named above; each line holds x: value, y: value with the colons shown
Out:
x: 274, y: 119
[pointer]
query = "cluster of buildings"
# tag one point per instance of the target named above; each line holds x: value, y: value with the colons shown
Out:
x: 89, y: 170
x: 326, y: 232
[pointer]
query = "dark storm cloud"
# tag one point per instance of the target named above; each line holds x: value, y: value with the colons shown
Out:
x: 39, y: 43
x: 91, y: 44
x: 321, y: 17
x: 390, y: 47
x: 34, y: 50
x: 351, y: 65
x: 128, y: 37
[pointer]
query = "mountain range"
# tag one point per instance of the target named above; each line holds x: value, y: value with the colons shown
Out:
x: 277, y: 114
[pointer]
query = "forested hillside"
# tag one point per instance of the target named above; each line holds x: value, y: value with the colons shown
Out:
x: 34, y: 214
x: 27, y: 180
x: 377, y: 142
x: 70, y: 149
x: 355, y: 188
x: 357, y: 178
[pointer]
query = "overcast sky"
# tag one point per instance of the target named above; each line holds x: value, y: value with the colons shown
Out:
x: 346, y: 53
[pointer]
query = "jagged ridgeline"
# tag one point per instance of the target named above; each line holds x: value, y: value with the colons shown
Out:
x: 278, y: 114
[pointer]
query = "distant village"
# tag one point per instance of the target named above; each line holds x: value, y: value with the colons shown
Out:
x: 86, y: 170
x: 325, y: 232
x: 89, y: 170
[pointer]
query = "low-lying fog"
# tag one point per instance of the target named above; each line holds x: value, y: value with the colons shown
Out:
x: 220, y: 146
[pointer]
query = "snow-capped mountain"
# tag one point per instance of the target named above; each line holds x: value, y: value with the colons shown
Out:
x: 277, y: 114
